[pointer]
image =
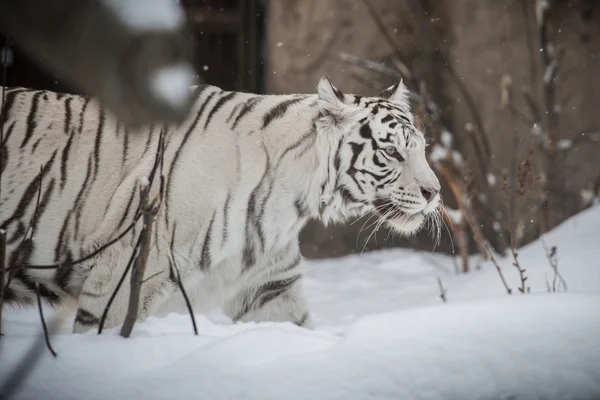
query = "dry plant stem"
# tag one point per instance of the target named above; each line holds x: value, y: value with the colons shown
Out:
x: 139, y: 267
x: 119, y: 284
x: 158, y: 162
x: 44, y: 326
x: 2, y: 265
x: 508, y: 290
x: 442, y: 290
x: 551, y: 256
x: 460, y: 194
x: 522, y: 277
x: 85, y: 258
x: 188, y: 304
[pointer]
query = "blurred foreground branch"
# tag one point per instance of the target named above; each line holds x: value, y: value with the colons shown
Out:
x: 134, y: 59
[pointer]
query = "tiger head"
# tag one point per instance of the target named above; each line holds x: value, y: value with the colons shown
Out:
x: 380, y: 158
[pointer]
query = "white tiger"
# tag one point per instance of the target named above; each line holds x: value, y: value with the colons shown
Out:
x: 243, y: 174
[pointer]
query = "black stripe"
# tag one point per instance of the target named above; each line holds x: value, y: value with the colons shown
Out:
x: 149, y: 138
x: 86, y: 318
x: 293, y: 264
x: 43, y: 204
x: 128, y: 207
x: 279, y: 110
x: 248, y: 107
x: 29, y: 194
x: 273, y: 289
x: 179, y: 149
x: 387, y: 118
x: 125, y: 144
x: 68, y: 113
x: 35, y: 145
x: 235, y: 109
x: 217, y: 106
x: 249, y: 252
x: 78, y: 205
x: 308, y: 145
x: 338, y: 156
x: 63, y: 274
x: 92, y: 295
x: 305, y: 137
x: 8, y: 132
x: 31, y: 122
x: 302, y: 320
x: 225, y: 220
x: 347, y: 196
x: 365, y: 131
x: 4, y: 158
x: 205, y: 258
x: 64, y: 161
x: 9, y: 100
x: 59, y: 250
x: 98, y: 141
x: 338, y: 93
x: 377, y: 162
x: 30, y: 284
x: 86, y: 102
x: 257, y: 221
x: 301, y: 208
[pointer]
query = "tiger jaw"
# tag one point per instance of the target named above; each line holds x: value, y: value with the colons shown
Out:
x: 402, y: 221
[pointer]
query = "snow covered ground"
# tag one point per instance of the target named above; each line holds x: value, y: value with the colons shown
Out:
x: 382, y: 333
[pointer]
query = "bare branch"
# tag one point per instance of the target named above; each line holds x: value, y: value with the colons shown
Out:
x: 119, y: 284
x: 508, y: 290
x: 41, y: 310
x: 149, y: 211
x: 442, y: 290
x: 551, y: 256
x: 177, y: 276
x: 85, y: 258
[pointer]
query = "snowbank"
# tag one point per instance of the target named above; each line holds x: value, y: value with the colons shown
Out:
x: 383, y: 333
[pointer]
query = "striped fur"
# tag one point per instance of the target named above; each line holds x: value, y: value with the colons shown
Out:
x: 243, y: 174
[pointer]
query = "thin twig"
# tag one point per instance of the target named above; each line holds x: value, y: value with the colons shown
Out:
x: 523, y: 288
x: 119, y: 284
x: 85, y: 258
x: 158, y: 163
x: 508, y: 290
x: 46, y: 334
x: 442, y: 290
x: 552, y: 259
x: 139, y: 267
x: 175, y: 273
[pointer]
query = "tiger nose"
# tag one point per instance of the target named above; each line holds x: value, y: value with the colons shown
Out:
x: 429, y: 193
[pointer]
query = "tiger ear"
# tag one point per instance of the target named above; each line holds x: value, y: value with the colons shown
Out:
x: 329, y: 95
x: 397, y: 93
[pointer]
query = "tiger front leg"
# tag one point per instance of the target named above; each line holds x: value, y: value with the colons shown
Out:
x: 278, y: 299
x: 100, y: 285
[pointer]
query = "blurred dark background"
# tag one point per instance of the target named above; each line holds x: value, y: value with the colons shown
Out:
x: 508, y: 93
